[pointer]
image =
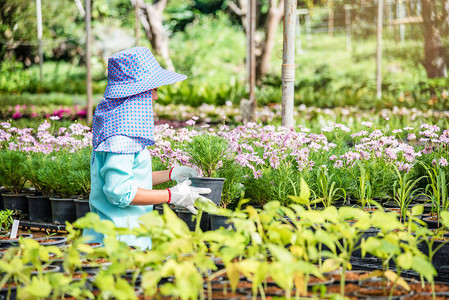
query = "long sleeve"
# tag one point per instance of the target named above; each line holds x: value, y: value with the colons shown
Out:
x: 119, y: 185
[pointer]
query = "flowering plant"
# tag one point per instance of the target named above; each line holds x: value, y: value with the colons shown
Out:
x: 12, y: 172
x: 207, y: 151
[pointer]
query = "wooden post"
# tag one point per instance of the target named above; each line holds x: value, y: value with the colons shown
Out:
x: 331, y: 18
x: 288, y: 64
x: 401, y: 16
x: 379, y: 48
x: 137, y: 28
x: 39, y: 37
x: 308, y: 27
x: 348, y: 27
x: 88, y: 17
x: 298, y: 35
x: 252, y: 55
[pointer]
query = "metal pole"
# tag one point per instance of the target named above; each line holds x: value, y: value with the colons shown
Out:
x: 379, y: 48
x: 88, y: 67
x: 288, y: 63
x: 348, y: 27
x: 137, y: 28
x: 252, y: 55
x: 39, y: 36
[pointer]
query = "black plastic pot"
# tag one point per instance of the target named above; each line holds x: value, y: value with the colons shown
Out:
x: 431, y: 224
x: 159, y: 208
x: 62, y: 210
x: 14, y: 242
x: 15, y: 202
x: 82, y: 207
x: 39, y: 208
x: 215, y: 184
x: 186, y: 216
x: 217, y: 221
x: 52, y: 241
x: 12, y: 292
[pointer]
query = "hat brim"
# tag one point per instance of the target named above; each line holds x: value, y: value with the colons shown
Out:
x: 160, y: 78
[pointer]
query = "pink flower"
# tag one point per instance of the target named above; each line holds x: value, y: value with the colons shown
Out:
x: 338, y: 164
x: 443, y: 162
x: 333, y: 157
x: 190, y: 122
x: 411, y: 137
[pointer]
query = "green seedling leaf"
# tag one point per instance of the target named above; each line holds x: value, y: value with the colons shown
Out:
x: 393, y: 277
x: 417, y: 210
x: 330, y: 265
x: 424, y: 267
x: 39, y: 288
x: 233, y: 275
x: 445, y: 218
x: 385, y: 221
x: 405, y: 260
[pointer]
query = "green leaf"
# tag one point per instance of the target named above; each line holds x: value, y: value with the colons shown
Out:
x: 405, y: 260
x: 417, y: 210
x: 445, y: 218
x: 385, y: 221
x: 424, y: 267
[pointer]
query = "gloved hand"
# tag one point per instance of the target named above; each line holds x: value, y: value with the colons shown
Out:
x: 184, y: 195
x: 181, y: 173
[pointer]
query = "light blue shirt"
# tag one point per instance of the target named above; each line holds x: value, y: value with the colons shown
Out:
x: 114, y: 182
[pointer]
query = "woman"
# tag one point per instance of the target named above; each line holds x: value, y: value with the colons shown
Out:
x: 123, y: 125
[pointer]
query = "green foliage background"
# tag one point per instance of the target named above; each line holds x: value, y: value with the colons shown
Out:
x: 208, y: 45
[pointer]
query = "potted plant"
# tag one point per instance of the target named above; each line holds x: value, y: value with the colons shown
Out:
x: 39, y: 174
x: 80, y: 175
x: 6, y: 222
x: 206, y: 152
x: 13, y: 178
x: 61, y: 166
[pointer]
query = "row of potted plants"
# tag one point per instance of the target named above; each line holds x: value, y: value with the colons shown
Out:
x: 264, y: 162
x: 285, y: 251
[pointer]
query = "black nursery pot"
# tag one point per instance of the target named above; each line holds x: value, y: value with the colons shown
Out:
x: 82, y: 207
x: 62, y: 210
x: 217, y: 221
x: 39, y: 208
x: 15, y: 202
x: 186, y: 216
x: 14, y: 242
x: 215, y: 184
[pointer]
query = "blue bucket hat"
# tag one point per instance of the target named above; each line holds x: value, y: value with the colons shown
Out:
x: 134, y: 71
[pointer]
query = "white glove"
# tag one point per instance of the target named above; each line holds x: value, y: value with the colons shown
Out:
x: 181, y: 173
x: 184, y: 195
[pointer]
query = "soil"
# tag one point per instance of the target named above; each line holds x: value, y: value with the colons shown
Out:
x: 424, y: 297
x: 417, y: 288
x: 95, y: 261
x: 378, y: 292
x: 350, y: 276
x: 350, y: 288
x: 48, y: 241
x: 6, y: 238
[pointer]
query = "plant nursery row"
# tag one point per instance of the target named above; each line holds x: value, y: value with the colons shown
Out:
x: 300, y: 208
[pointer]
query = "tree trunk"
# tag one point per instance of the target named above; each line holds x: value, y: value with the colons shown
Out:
x: 150, y: 16
x: 434, y: 59
x: 275, y: 14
